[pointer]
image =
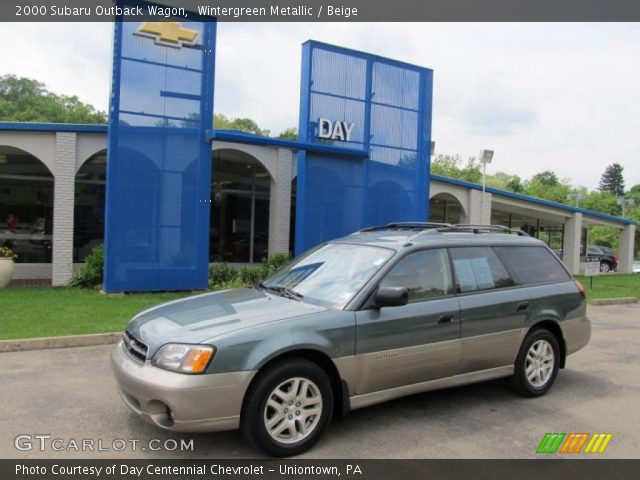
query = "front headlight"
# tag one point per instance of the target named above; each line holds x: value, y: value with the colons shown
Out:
x: 183, y: 358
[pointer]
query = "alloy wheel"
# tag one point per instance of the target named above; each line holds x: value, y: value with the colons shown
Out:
x: 539, y: 363
x: 293, y: 410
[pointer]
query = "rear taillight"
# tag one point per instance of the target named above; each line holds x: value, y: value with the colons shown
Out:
x: 615, y: 258
x: 581, y: 289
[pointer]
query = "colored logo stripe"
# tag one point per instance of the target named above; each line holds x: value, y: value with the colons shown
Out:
x: 550, y: 443
x: 574, y: 442
x: 598, y: 442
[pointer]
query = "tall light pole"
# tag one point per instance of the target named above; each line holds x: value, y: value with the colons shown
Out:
x: 624, y: 202
x: 486, y: 156
x: 577, y: 197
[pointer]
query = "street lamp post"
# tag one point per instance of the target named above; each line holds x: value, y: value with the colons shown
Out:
x: 486, y: 156
x: 577, y: 197
x: 624, y: 202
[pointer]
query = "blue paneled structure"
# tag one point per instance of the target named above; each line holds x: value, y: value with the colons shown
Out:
x: 159, y: 156
x: 358, y: 101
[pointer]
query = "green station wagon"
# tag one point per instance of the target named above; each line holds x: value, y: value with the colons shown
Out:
x: 383, y: 313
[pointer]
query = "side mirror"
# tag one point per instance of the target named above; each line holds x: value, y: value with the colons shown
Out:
x: 392, y: 296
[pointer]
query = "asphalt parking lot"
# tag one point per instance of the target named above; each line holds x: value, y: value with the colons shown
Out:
x: 70, y: 394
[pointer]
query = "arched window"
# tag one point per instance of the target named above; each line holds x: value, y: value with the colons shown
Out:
x: 240, y: 192
x: 445, y: 208
x: 88, y: 226
x: 26, y: 205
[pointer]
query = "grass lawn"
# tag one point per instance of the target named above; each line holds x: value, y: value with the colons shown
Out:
x: 48, y: 312
x: 612, y: 286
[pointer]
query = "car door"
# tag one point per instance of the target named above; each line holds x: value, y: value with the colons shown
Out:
x: 493, y: 309
x: 416, y: 342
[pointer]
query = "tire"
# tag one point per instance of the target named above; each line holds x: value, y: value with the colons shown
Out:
x: 537, y: 364
x: 276, y: 420
x: 605, y: 267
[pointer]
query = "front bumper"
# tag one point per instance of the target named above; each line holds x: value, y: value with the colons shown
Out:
x: 180, y: 402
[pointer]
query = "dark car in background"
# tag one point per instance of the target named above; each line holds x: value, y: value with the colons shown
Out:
x: 608, y: 258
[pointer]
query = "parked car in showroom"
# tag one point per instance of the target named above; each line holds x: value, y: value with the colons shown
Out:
x: 386, y: 312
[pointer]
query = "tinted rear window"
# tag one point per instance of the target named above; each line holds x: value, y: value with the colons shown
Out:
x: 478, y: 268
x: 530, y: 265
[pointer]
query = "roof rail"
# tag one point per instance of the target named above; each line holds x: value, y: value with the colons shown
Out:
x: 407, y: 226
x: 480, y: 228
x: 431, y: 227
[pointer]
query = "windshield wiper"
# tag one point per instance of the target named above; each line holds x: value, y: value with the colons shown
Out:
x: 282, y: 291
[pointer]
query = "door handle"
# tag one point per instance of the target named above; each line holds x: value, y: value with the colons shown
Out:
x: 522, y: 306
x: 447, y: 318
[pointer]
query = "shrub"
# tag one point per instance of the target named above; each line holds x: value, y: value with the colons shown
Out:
x: 221, y: 273
x: 91, y: 273
x: 251, y: 276
x: 223, y: 276
x: 274, y: 262
x: 6, y: 252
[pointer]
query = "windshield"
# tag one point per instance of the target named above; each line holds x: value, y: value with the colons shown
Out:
x: 332, y: 274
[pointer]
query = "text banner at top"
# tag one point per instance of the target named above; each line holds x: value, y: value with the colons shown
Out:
x: 327, y: 10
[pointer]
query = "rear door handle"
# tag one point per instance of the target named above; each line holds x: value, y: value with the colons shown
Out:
x: 522, y: 306
x: 447, y: 318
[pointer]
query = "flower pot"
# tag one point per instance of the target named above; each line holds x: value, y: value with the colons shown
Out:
x: 6, y: 271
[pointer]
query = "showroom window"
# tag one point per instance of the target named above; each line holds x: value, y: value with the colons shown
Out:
x: 88, y: 226
x: 240, y: 208
x: 26, y: 205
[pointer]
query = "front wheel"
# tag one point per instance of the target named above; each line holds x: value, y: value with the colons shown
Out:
x: 537, y: 364
x: 288, y: 407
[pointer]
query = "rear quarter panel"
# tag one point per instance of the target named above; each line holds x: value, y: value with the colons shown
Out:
x: 563, y: 303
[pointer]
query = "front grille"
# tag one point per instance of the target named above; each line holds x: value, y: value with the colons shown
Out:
x: 135, y: 347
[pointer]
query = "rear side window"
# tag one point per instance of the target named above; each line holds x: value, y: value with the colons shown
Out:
x: 479, y: 268
x: 531, y: 265
x: 425, y: 274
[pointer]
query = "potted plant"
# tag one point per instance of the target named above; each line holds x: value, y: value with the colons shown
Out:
x: 7, y: 257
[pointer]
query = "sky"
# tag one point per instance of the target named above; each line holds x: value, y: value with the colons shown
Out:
x: 562, y: 97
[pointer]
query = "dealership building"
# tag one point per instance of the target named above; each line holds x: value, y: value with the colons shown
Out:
x: 52, y: 183
x: 167, y: 194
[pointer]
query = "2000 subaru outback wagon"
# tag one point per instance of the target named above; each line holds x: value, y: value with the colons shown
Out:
x: 382, y: 313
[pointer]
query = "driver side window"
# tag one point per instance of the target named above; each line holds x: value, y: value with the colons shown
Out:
x: 425, y: 274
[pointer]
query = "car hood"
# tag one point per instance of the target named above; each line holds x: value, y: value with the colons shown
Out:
x: 202, y: 317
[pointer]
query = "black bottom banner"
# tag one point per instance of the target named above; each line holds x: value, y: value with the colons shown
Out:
x: 542, y: 469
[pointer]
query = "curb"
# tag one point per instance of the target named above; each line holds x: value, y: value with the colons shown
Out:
x: 59, y: 342
x: 599, y: 302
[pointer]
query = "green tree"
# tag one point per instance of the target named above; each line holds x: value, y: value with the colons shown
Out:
x: 290, y: 133
x: 505, y: 181
x: 547, y: 185
x: 546, y: 178
x: 612, y: 180
x: 27, y: 100
x: 247, y: 125
x: 452, y: 166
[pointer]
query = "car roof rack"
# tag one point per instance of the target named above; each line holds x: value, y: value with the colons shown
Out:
x: 480, y: 228
x: 407, y: 226
x: 433, y: 227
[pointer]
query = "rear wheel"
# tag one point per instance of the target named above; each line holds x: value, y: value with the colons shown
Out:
x: 605, y: 267
x: 537, y: 364
x: 288, y: 407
